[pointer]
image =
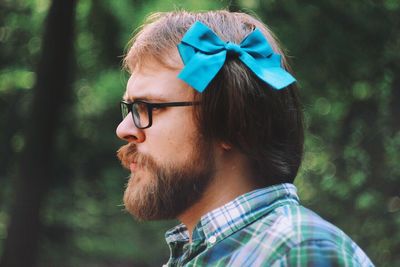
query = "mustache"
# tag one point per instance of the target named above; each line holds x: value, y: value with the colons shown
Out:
x: 127, y: 154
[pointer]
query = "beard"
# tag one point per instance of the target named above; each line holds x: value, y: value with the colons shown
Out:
x: 164, y: 191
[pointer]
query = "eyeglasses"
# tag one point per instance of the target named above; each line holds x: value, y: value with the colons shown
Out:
x: 142, y: 111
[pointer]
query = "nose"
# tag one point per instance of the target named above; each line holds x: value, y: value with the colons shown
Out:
x: 127, y: 131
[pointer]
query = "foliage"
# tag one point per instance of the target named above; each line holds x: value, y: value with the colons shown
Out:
x: 346, y: 59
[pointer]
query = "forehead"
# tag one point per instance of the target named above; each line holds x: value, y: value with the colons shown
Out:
x: 153, y: 81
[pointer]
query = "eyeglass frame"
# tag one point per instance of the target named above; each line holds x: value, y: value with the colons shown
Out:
x: 150, y: 106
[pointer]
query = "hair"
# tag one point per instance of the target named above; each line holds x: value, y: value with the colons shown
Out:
x: 237, y: 108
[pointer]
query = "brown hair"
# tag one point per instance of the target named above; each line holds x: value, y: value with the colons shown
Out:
x: 237, y: 108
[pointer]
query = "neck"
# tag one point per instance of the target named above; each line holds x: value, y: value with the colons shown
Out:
x: 232, y: 179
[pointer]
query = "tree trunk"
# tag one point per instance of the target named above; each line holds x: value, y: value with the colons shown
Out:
x: 51, y: 92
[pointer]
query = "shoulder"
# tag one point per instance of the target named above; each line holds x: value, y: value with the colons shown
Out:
x: 292, y: 235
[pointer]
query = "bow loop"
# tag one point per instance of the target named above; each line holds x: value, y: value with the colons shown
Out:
x: 256, y: 45
x: 201, y: 38
x: 203, y: 53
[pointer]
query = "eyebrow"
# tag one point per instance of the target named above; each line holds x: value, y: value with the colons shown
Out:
x: 148, y: 98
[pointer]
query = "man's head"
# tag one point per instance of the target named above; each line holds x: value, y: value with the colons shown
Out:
x: 237, y: 112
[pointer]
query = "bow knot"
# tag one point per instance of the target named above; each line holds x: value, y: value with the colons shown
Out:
x: 203, y: 53
x: 233, y: 48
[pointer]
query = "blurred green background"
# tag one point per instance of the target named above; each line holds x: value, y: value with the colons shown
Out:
x: 346, y: 56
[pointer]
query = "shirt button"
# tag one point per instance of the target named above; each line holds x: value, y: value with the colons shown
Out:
x: 212, y: 239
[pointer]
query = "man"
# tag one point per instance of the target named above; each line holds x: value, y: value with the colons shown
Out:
x: 214, y: 135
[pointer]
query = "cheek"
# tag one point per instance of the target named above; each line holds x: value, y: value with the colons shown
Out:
x: 172, y: 139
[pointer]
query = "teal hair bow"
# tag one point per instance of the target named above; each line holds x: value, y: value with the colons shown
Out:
x: 203, y: 53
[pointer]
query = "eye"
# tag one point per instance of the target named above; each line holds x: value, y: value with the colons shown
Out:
x: 141, y: 108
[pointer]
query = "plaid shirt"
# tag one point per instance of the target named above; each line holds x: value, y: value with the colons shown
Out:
x: 265, y: 227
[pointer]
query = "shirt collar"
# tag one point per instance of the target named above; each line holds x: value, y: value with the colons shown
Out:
x: 231, y: 217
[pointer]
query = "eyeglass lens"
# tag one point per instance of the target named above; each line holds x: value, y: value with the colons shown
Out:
x: 140, y: 113
x: 124, y: 110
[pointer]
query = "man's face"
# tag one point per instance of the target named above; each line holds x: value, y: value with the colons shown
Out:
x: 170, y: 164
